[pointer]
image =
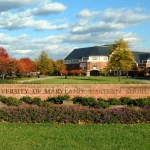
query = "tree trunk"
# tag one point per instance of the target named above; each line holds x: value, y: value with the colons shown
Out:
x: 119, y: 75
x: 3, y: 75
x: 127, y: 75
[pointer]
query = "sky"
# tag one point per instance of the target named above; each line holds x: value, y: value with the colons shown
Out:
x: 28, y: 27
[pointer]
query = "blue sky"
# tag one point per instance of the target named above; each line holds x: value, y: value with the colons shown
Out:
x: 58, y: 26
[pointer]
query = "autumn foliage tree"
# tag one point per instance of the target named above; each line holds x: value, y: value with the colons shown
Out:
x: 121, y: 57
x: 7, y: 64
x: 59, y: 65
x: 25, y: 65
x: 74, y: 72
x: 63, y: 72
x: 44, y: 64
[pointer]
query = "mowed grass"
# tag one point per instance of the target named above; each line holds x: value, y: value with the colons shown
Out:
x: 88, y: 80
x: 74, y: 137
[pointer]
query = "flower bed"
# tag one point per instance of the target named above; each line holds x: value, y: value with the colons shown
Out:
x: 85, y: 110
x: 75, y: 115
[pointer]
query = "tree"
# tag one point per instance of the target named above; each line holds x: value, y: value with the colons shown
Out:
x: 3, y: 53
x: 75, y: 72
x: 7, y: 64
x: 59, y: 65
x: 121, y: 57
x: 43, y: 63
x: 63, y: 72
x: 25, y: 65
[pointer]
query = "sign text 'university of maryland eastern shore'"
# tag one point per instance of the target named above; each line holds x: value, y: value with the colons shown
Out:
x: 93, y: 90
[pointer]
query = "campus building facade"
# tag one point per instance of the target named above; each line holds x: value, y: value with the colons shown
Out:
x: 95, y: 59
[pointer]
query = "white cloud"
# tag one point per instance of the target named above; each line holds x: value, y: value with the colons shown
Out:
x: 23, y: 46
x: 128, y: 17
x: 21, y: 51
x: 13, y: 4
x: 140, y: 49
x: 139, y: 9
x: 14, y: 21
x: 92, y: 28
x: 97, y: 27
x: 85, y: 13
x: 21, y: 20
x: 50, y: 39
x: 47, y: 7
x: 100, y: 39
x: 45, y: 25
x: 108, y: 20
x: 96, y: 38
x: 57, y: 49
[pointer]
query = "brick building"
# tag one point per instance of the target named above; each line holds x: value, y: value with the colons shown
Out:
x: 94, y: 59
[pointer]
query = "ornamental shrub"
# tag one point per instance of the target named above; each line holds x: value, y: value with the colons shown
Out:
x: 91, y: 101
x: 125, y: 100
x: 11, y: 101
x: 75, y: 114
x: 56, y: 100
x: 113, y: 101
x: 2, y: 98
x: 102, y: 103
x: 77, y: 99
x: 142, y: 102
x: 88, y: 101
x: 85, y: 101
x: 37, y: 101
x: 101, y: 99
x: 65, y: 97
x: 27, y: 99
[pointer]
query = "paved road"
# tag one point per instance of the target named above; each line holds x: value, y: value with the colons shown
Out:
x: 140, y: 80
x: 37, y: 79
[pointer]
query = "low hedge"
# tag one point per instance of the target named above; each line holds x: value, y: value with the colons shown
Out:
x: 10, y: 101
x: 105, y: 103
x: 58, y: 99
x: 75, y: 115
x: 85, y: 101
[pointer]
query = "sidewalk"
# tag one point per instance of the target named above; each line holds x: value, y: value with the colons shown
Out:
x: 140, y: 80
x: 38, y: 79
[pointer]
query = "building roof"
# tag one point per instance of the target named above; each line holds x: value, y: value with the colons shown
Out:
x: 102, y: 51
x: 88, y: 51
x: 139, y: 56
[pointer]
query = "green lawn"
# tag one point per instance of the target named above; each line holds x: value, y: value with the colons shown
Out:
x: 74, y: 137
x: 88, y: 80
x: 30, y: 78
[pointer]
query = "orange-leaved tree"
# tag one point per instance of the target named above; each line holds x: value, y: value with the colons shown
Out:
x: 7, y: 64
x: 63, y: 72
x: 59, y: 65
x: 25, y: 65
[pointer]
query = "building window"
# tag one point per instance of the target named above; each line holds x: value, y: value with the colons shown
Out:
x: 142, y: 68
x: 85, y: 58
x: 105, y: 58
x: 94, y: 58
x: 144, y: 61
x: 66, y: 61
x: 82, y: 65
x: 94, y: 65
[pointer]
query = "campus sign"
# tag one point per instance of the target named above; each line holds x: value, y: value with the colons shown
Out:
x: 93, y: 90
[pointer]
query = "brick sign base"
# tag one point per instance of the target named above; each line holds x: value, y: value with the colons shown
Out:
x: 93, y: 90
